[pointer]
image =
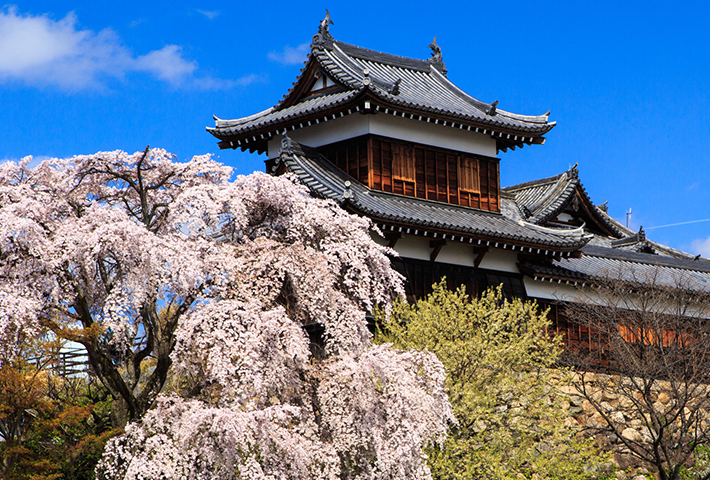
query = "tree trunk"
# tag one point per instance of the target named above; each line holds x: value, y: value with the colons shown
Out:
x: 119, y: 413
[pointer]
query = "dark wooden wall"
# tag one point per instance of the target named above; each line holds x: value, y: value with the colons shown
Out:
x: 372, y: 160
x: 578, y: 339
x: 420, y: 275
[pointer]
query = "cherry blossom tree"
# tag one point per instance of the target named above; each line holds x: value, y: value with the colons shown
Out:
x: 164, y: 268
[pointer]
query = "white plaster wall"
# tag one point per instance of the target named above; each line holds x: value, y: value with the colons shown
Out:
x: 432, y: 134
x: 354, y: 125
x: 325, y: 133
x: 457, y: 254
x: 501, y: 260
x: 569, y: 293
x: 413, y: 247
x: 550, y: 291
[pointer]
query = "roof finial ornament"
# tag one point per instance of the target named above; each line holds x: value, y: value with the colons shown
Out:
x: 436, y: 59
x: 492, y: 110
x: 641, y: 235
x: 323, y: 29
x: 286, y: 142
x: 323, y: 33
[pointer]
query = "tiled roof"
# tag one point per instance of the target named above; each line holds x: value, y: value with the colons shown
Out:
x: 611, y: 263
x: 417, y: 86
x: 326, y: 180
x: 274, y: 117
x: 542, y: 200
x: 423, y: 86
x: 658, y: 248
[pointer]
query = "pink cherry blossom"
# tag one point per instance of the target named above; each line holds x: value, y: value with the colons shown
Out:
x: 217, y: 281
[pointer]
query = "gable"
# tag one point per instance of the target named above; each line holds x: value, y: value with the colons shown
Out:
x: 562, y: 201
x: 578, y: 210
x: 322, y: 81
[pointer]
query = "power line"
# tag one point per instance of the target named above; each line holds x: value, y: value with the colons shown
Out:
x: 681, y: 223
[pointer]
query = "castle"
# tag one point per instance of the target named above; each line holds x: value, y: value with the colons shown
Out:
x: 393, y: 139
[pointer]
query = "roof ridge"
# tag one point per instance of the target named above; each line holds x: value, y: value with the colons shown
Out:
x: 382, y: 57
x: 645, y: 258
x: 219, y: 122
x: 481, y: 105
x: 543, y: 209
x: 528, y: 118
x: 532, y: 183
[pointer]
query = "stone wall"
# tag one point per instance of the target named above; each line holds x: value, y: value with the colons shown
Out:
x: 626, y: 418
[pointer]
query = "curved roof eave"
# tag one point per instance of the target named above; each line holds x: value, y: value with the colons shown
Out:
x: 326, y: 180
x: 405, y: 82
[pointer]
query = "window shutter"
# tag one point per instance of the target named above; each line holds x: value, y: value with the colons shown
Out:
x: 468, y: 174
x: 403, y: 163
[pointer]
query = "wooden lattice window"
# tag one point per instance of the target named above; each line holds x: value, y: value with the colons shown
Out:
x: 651, y: 337
x: 468, y: 174
x: 403, y: 163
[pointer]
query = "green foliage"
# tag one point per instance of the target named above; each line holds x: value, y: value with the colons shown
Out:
x: 701, y: 465
x: 54, y: 427
x: 506, y: 396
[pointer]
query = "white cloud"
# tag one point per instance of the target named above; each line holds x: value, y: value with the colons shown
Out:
x: 290, y: 55
x: 166, y: 64
x: 701, y: 246
x: 209, y: 14
x: 40, y: 51
x: 209, y: 83
x: 137, y: 22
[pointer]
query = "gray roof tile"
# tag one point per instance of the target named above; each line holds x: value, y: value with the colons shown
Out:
x: 422, y: 88
x: 272, y: 117
x: 326, y: 180
x: 542, y: 200
x: 611, y: 263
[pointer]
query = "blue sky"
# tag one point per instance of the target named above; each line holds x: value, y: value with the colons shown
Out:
x: 627, y: 82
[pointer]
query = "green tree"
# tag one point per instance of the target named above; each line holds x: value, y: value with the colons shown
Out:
x: 50, y: 426
x: 511, y: 411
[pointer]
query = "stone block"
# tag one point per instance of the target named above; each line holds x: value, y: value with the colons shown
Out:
x: 571, y: 422
x: 618, y: 417
x: 624, y: 402
x: 596, y: 422
x: 624, y: 461
x: 609, y: 395
x: 620, y: 475
x: 575, y: 410
x: 632, y: 434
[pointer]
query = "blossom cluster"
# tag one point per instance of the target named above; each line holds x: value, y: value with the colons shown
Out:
x: 224, y: 278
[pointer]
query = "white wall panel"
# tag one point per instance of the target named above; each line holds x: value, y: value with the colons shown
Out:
x: 354, y: 125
